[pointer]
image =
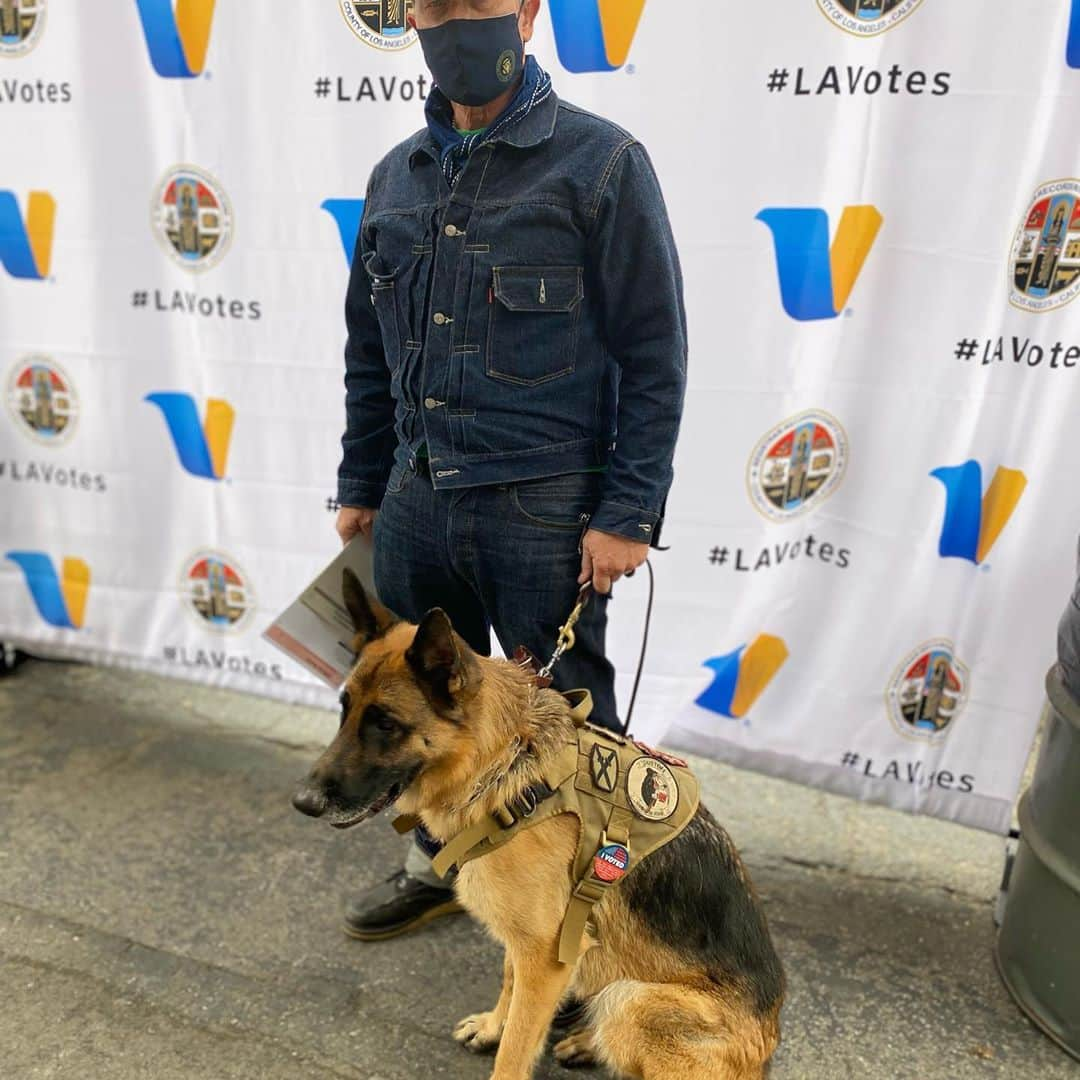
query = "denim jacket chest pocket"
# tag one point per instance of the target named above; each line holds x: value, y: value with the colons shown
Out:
x: 383, y: 285
x: 533, y: 323
x: 393, y: 261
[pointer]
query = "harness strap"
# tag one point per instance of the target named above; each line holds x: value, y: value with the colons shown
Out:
x: 618, y: 826
x: 463, y: 847
x: 586, y: 895
x: 580, y: 705
x: 589, y: 891
x: 458, y: 846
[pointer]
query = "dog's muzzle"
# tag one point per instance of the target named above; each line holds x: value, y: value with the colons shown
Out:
x: 314, y: 801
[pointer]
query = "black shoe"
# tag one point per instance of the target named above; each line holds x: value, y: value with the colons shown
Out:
x: 569, y: 1012
x: 398, y: 905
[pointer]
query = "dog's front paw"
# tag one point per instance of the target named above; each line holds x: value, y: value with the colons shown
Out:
x: 576, y: 1051
x: 479, y: 1033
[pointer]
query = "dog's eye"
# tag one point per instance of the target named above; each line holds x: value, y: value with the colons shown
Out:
x: 344, y: 699
x: 380, y: 720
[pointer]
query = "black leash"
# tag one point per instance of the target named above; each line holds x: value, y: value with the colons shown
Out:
x: 644, y: 645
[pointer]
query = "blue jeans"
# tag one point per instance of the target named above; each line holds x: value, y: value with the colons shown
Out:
x: 503, y: 557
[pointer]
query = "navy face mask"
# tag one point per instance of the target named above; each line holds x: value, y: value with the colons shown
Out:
x: 473, y: 61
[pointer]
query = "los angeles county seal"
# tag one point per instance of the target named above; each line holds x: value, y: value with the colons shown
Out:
x: 22, y: 23
x: 382, y: 24
x: 797, y: 465
x: 1044, y: 267
x: 41, y: 397
x: 865, y: 18
x: 215, y: 588
x: 192, y: 217
x: 927, y: 691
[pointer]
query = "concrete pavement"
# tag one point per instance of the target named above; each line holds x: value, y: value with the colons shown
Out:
x: 165, y: 913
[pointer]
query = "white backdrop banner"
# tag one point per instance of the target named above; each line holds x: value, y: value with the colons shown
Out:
x: 877, y: 206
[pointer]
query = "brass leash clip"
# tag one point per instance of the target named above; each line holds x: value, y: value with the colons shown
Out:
x: 566, y: 631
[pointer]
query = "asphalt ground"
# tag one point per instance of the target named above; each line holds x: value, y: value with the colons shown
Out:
x: 165, y: 913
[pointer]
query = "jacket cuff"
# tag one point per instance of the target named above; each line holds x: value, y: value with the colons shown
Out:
x: 631, y: 522
x: 360, y: 493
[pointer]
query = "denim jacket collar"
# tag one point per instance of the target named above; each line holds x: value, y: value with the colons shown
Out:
x: 528, y: 119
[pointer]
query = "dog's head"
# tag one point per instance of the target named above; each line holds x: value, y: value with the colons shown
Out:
x: 402, y: 711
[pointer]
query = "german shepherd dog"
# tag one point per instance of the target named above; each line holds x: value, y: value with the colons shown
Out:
x: 684, y: 984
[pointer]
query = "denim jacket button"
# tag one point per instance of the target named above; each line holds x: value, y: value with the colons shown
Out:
x: 451, y: 230
x: 438, y: 318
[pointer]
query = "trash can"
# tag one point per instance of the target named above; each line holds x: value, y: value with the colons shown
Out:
x: 1038, y: 945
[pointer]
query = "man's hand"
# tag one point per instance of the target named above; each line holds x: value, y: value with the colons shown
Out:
x: 352, y: 520
x: 606, y: 557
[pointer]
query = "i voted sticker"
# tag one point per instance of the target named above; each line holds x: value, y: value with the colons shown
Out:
x: 610, y: 862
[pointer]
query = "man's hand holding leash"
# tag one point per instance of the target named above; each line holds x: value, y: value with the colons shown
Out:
x: 606, y: 557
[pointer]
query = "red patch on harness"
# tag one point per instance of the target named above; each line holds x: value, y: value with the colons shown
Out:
x: 671, y: 759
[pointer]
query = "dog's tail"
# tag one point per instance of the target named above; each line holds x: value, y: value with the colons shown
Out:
x: 665, y: 1031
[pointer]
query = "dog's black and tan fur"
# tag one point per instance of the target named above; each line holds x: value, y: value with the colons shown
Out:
x: 685, y: 985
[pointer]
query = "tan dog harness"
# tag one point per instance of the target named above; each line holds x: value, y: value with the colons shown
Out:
x: 629, y: 798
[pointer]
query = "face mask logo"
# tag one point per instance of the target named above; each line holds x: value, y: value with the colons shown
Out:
x: 505, y: 67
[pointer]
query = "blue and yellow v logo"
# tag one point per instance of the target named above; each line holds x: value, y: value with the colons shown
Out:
x: 59, y: 598
x: 26, y: 246
x: 740, y: 677
x: 203, y: 449
x: 177, y: 41
x: 973, y: 521
x: 816, y: 280
x: 594, y: 35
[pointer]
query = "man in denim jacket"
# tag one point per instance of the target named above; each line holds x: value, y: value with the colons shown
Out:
x: 515, y: 369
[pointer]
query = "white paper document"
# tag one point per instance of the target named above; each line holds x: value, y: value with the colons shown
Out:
x: 316, y: 628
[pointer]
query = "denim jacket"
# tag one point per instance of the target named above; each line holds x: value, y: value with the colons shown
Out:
x: 524, y: 322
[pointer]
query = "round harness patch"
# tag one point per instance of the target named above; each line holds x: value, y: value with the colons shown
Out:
x: 652, y: 789
x: 610, y: 862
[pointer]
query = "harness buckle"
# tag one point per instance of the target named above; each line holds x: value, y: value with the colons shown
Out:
x: 524, y: 805
x: 591, y: 890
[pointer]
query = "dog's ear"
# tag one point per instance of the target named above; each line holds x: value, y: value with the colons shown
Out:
x: 369, y: 617
x: 442, y: 662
